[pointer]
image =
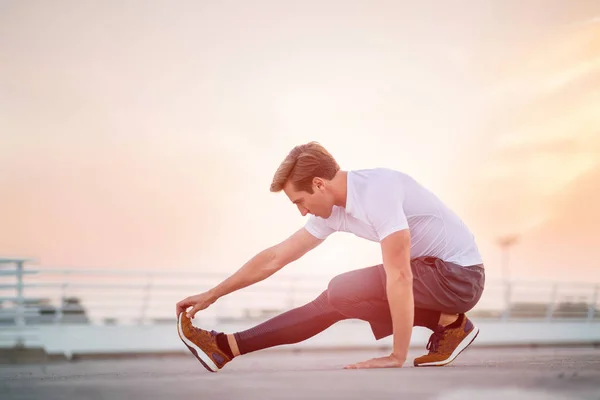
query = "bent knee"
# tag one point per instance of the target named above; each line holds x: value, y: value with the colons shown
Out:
x: 338, y: 292
x: 350, y: 288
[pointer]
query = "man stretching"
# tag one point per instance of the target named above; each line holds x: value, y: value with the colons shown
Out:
x: 432, y: 272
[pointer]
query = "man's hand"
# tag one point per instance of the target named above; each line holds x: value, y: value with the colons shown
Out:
x: 391, y: 361
x: 197, y: 302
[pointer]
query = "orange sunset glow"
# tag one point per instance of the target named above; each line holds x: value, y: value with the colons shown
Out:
x: 147, y: 137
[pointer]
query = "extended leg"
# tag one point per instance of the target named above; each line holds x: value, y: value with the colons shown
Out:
x: 290, y: 327
x: 358, y: 294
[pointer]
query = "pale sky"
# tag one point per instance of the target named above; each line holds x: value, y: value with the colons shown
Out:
x: 146, y: 134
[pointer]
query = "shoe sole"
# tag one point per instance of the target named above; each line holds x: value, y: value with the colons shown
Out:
x: 200, y: 355
x: 462, y: 346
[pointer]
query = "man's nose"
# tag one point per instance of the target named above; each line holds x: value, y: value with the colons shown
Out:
x: 303, y: 210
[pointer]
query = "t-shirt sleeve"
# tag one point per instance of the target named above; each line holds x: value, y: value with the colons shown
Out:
x: 385, y: 208
x: 318, y: 227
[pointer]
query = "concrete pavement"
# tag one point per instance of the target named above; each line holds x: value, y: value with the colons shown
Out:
x: 545, y: 373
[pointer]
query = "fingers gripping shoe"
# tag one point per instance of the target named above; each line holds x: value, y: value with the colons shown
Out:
x: 445, y: 344
x: 202, y: 344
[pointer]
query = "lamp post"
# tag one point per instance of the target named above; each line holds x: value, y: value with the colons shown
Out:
x: 505, y: 243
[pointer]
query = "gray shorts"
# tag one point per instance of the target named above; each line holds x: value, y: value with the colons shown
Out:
x: 444, y: 286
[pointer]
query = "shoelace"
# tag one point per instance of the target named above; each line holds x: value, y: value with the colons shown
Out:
x: 434, y: 340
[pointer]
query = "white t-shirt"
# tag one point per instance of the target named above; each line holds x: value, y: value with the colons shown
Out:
x: 381, y: 201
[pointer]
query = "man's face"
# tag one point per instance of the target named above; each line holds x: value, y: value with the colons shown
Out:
x: 319, y: 203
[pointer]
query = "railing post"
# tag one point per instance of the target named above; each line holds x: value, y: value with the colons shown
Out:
x: 145, y: 300
x: 58, y: 318
x: 592, y: 305
x: 507, y: 294
x: 291, y: 294
x: 20, y: 315
x: 552, y: 303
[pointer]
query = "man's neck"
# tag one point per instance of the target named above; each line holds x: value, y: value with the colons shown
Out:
x: 340, y: 188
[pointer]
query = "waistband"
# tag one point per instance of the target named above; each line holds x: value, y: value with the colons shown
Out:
x: 478, y: 267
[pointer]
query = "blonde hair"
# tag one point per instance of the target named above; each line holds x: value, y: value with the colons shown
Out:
x: 302, y: 164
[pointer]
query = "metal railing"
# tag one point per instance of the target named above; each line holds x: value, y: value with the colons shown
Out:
x: 46, y: 295
x: 17, y: 271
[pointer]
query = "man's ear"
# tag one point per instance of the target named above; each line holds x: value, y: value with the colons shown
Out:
x: 318, y: 182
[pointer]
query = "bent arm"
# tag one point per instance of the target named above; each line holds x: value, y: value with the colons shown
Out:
x: 267, y: 262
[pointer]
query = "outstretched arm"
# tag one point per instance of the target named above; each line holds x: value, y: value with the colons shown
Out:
x: 258, y: 268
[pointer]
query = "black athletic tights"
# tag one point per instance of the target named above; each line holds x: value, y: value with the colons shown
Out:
x: 356, y: 294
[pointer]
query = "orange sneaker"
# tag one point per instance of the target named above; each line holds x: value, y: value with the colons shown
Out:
x: 202, y: 344
x: 445, y: 344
